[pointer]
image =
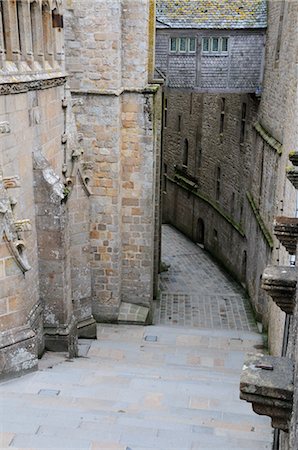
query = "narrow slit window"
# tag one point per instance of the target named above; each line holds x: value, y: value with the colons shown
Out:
x: 185, y: 153
x: 222, y: 115
x: 165, y: 178
x: 217, y: 183
x: 165, y: 113
x: 243, y: 123
x: 179, y: 122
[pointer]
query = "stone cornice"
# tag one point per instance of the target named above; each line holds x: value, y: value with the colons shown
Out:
x: 19, y: 87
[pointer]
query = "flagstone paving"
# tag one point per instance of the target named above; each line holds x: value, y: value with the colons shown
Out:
x: 171, y: 386
x: 196, y: 292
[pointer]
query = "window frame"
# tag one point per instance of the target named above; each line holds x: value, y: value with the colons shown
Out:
x: 178, y: 40
x: 172, y: 39
x: 210, y: 40
x: 179, y: 45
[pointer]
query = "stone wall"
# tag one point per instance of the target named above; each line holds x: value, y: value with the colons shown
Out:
x: 79, y: 173
x: 278, y: 113
x: 116, y: 113
x: 219, y: 186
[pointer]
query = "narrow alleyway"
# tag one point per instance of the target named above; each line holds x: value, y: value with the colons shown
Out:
x: 170, y: 386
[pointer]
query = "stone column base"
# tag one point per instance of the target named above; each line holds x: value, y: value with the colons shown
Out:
x: 62, y: 339
x: 87, y: 329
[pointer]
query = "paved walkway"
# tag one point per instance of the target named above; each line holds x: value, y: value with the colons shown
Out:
x: 195, y: 292
x: 141, y: 388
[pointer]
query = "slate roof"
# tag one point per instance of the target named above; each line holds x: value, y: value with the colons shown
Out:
x: 225, y: 14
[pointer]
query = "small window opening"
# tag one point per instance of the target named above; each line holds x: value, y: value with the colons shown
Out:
x: 218, y: 175
x: 179, y: 122
x: 165, y: 178
x: 222, y: 115
x: 243, y: 123
x: 165, y: 112
x: 185, y: 153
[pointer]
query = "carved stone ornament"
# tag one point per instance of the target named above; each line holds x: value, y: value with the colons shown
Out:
x: 9, y: 230
x: 74, y: 168
x: 286, y: 231
x: 267, y: 382
x: 280, y: 283
x: 32, y: 85
x: 11, y: 182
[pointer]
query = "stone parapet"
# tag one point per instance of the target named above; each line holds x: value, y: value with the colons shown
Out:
x: 267, y: 382
x: 280, y: 283
x: 286, y: 231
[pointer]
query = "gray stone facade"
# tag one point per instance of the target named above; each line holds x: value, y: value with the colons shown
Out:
x: 79, y: 173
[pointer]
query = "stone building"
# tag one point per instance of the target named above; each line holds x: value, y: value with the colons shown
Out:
x: 79, y: 172
x: 223, y: 166
x: 228, y: 182
x: 275, y: 392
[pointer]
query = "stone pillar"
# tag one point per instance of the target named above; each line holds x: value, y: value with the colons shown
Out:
x: 24, y: 23
x: 2, y: 45
x: 60, y: 325
x: 9, y: 12
x: 37, y: 32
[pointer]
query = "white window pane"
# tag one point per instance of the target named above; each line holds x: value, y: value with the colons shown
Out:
x: 215, y: 42
x: 224, y: 44
x: 182, y: 44
x: 205, y: 44
x: 192, y: 45
x: 173, y: 45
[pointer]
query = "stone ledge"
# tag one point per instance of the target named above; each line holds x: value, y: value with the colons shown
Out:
x: 267, y: 382
x: 286, y: 231
x: 131, y: 313
x: 280, y: 283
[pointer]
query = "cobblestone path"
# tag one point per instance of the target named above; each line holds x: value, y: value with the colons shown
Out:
x: 196, y: 292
